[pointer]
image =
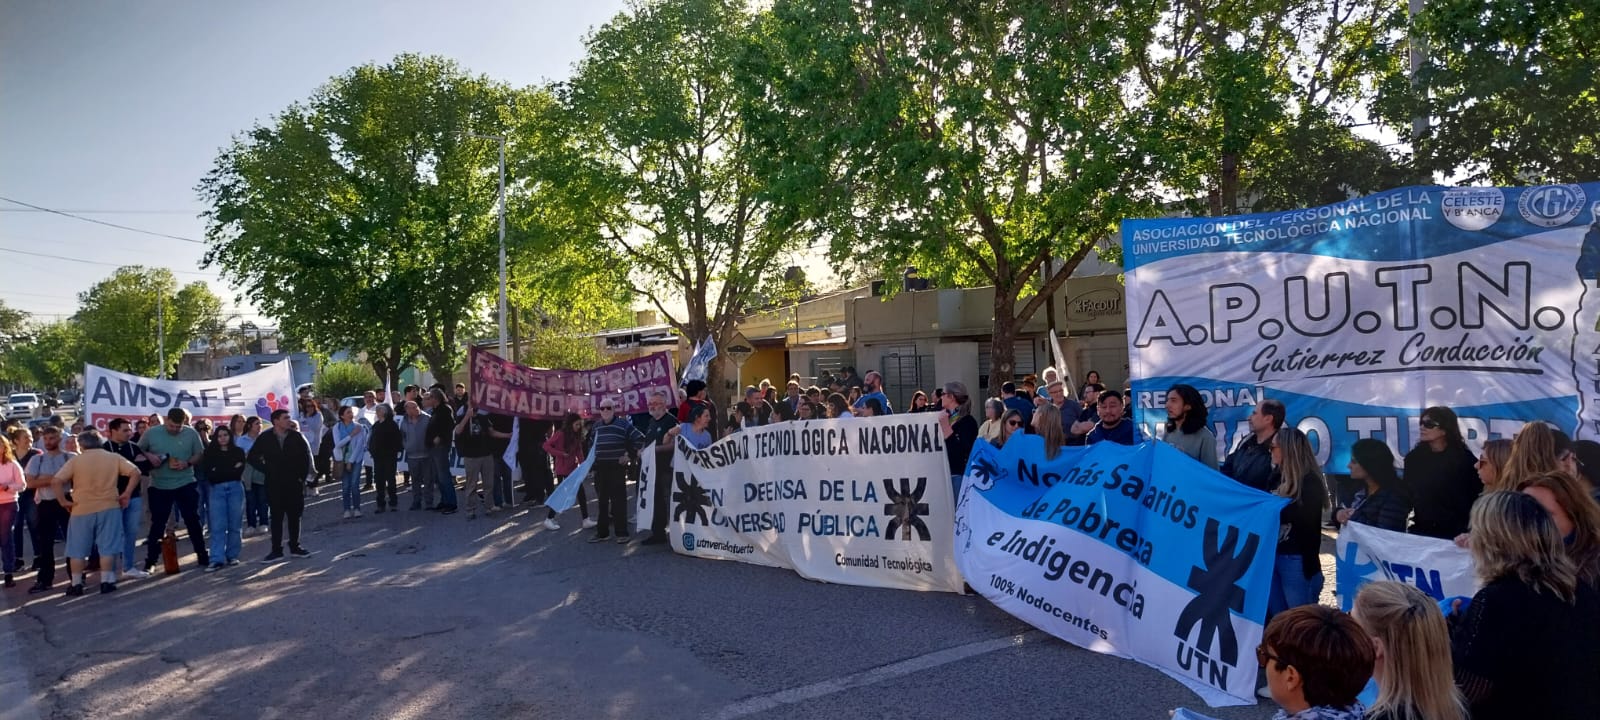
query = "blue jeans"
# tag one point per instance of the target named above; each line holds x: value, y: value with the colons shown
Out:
x: 1290, y: 586
x: 444, y: 477
x: 350, y: 487
x: 131, y: 515
x: 255, y: 505
x: 204, y: 488
x: 227, y: 519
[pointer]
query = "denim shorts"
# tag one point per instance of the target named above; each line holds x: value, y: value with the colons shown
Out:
x: 103, y: 529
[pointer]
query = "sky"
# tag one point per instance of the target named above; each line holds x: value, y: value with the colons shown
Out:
x: 115, y: 110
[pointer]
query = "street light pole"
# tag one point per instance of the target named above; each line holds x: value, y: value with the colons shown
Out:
x: 502, y: 141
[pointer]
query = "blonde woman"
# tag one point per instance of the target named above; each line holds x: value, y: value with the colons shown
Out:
x: 1536, y: 449
x: 1577, y: 518
x: 1413, y: 669
x: 1492, y: 462
x: 1047, y: 425
x: 1297, y: 575
x: 1010, y: 423
x: 1524, y: 646
x: 12, y: 481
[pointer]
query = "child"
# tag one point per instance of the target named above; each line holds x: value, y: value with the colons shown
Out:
x: 1316, y: 660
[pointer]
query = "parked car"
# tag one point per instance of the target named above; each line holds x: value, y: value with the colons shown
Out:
x: 69, y: 397
x: 23, y: 406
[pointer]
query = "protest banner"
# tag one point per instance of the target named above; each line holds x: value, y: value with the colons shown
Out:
x: 502, y: 386
x: 1360, y: 314
x: 1367, y: 554
x: 1138, y: 552
x: 856, y: 501
x: 109, y: 394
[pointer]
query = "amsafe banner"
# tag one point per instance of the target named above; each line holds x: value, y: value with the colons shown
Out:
x: 1367, y: 554
x: 109, y: 394
x: 1138, y: 552
x: 501, y: 386
x: 854, y: 501
x: 1360, y: 314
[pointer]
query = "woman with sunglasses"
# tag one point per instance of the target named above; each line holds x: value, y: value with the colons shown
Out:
x: 1010, y: 423
x: 1297, y: 573
x: 1441, y: 476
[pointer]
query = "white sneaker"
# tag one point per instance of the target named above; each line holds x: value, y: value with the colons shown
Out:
x: 1265, y: 693
x: 346, y: 515
x: 355, y: 513
x: 135, y: 573
x: 551, y: 524
x: 589, y: 523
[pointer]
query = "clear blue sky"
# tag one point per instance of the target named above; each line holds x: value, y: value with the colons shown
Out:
x: 122, y: 106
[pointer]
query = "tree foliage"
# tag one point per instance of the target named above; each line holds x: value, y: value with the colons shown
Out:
x: 364, y: 218
x: 117, y: 320
x: 341, y: 379
x: 50, y: 357
x: 1508, y: 87
x: 981, y: 141
x: 660, y: 168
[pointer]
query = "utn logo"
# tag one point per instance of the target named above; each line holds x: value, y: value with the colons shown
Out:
x: 905, y: 509
x: 690, y: 503
x: 688, y: 542
x: 1219, y: 595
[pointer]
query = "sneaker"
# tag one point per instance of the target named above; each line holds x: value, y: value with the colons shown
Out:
x: 355, y: 513
x: 299, y: 552
x: 214, y: 567
x: 590, y: 523
x: 654, y: 539
x: 74, y: 591
x: 1265, y: 693
x: 107, y: 588
x: 233, y: 562
x: 497, y: 508
x: 345, y: 515
x: 272, y: 557
x: 599, y: 538
x: 551, y: 524
x: 622, y: 539
x: 136, y: 574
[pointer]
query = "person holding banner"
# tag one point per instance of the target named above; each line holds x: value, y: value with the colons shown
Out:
x: 1412, y: 664
x: 173, y: 450
x: 659, y: 428
x: 1114, y: 425
x: 1525, y: 645
x: 614, y: 441
x: 1382, y: 506
x: 1441, y: 476
x: 1251, y: 462
x: 565, y: 446
x: 696, y: 432
x: 960, y: 430
x: 1297, y: 573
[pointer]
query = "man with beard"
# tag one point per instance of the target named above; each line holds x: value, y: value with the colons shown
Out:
x: 1251, y: 462
x: 284, y: 458
x: 656, y: 425
x: 121, y: 443
x: 173, y: 450
x: 52, y: 517
x: 874, y: 389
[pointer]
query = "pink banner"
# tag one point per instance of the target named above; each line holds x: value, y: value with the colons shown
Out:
x: 502, y: 386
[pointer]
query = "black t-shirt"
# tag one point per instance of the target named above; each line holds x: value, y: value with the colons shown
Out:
x: 501, y: 423
x: 475, y: 441
x: 130, y: 452
x: 958, y: 447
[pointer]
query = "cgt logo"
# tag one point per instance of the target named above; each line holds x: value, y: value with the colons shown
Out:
x: 1219, y: 593
x: 688, y: 542
x: 690, y: 502
x: 905, y: 509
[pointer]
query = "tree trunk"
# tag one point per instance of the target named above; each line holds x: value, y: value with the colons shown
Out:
x: 1003, y: 348
x: 439, y: 364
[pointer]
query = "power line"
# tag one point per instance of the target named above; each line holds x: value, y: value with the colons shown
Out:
x: 64, y: 213
x: 101, y: 212
x: 98, y: 262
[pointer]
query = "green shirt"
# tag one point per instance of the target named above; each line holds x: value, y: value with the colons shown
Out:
x: 185, y: 445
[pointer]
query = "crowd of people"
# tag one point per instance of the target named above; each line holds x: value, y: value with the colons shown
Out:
x: 1523, y: 646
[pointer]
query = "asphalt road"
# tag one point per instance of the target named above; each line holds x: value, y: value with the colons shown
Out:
x: 414, y: 615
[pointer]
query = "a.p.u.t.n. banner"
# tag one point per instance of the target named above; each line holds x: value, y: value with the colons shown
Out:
x: 1359, y: 315
x: 1135, y: 551
x: 855, y: 501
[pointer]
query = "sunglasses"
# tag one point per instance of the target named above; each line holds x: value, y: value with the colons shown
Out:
x: 1014, y: 423
x: 1262, y: 656
x: 1430, y: 424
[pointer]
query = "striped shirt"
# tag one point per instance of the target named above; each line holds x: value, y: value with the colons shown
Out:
x: 613, y: 440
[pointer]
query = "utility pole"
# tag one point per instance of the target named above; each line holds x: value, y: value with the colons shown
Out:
x: 1419, y: 124
x: 161, y: 337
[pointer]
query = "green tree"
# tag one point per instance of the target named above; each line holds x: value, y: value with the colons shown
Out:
x: 986, y: 142
x: 659, y: 167
x: 363, y: 218
x: 343, y: 379
x: 1508, y: 88
x: 117, y: 319
x: 48, y: 358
